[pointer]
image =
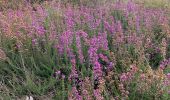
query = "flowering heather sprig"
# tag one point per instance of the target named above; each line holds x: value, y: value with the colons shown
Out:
x: 164, y: 63
x: 104, y: 58
x: 58, y: 72
x: 75, y: 94
x: 82, y: 34
x: 34, y: 42
x: 59, y: 75
x: 166, y: 83
x: 80, y: 53
x: 97, y: 70
x: 37, y: 25
x: 98, y: 95
x: 133, y: 68
x: 37, y: 21
x: 163, y: 47
x: 93, y: 50
x: 69, y: 18
x: 96, y: 43
x: 106, y: 63
x: 124, y: 92
x: 40, y: 30
x: 41, y: 13
x: 119, y: 28
x: 93, y: 55
x: 124, y: 77
x: 168, y: 76
x: 65, y: 41
x: 86, y: 94
x: 109, y: 27
x: 92, y: 18
x: 132, y: 38
x: 86, y: 89
x: 53, y: 32
x: 119, y: 5
x: 138, y: 23
x: 102, y: 41
x: 147, y: 21
x: 142, y: 76
x: 12, y: 19
x: 119, y: 33
x: 110, y: 67
x: 93, y: 23
x: 148, y: 43
x: 74, y: 75
x: 131, y: 7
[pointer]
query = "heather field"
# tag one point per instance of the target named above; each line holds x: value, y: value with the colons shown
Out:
x: 84, y: 50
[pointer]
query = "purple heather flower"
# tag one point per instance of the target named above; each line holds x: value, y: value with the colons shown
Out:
x: 69, y: 18
x: 164, y: 63
x: 168, y: 76
x: 75, y: 94
x: 34, y: 41
x: 137, y: 23
x: 147, y: 20
x: 93, y: 50
x: 41, y: 13
x: 97, y: 70
x: 52, y: 31
x: 142, y: 76
x: 93, y: 54
x: 123, y: 77
x: 104, y: 58
x: 110, y: 27
x: 82, y: 34
x: 73, y: 74
x: 38, y: 27
x: 97, y: 95
x: 58, y: 72
x: 102, y: 41
x: 132, y: 38
x: 19, y: 13
x: 86, y: 95
x: 118, y: 5
x: 119, y: 27
x: 169, y: 92
x: 63, y: 76
x: 40, y: 30
x: 166, y: 82
x: 65, y: 41
x: 95, y: 43
x: 119, y: 33
x: 130, y: 6
x: 80, y: 53
x: 110, y: 66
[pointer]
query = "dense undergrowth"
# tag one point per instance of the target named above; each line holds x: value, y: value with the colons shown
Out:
x: 84, y: 51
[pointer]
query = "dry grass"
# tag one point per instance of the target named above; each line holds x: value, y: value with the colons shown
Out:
x: 2, y: 55
x: 155, y: 3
